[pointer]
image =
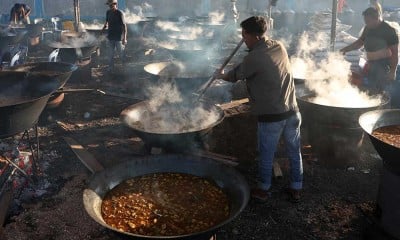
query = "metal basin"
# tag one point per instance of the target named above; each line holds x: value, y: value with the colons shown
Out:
x: 372, y: 120
x: 23, y: 98
x: 227, y: 178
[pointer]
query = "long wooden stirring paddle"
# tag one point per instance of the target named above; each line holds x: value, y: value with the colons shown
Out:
x: 206, y: 85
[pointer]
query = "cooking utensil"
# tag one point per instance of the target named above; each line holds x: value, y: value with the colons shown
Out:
x: 334, y: 132
x: 204, y: 88
x: 187, y: 76
x: 70, y: 52
x: 173, y: 140
x: 23, y: 98
x: 372, y: 120
x: 60, y: 70
x: 103, y: 180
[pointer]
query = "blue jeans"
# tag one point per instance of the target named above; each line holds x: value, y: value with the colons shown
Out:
x: 115, y: 45
x: 269, y: 134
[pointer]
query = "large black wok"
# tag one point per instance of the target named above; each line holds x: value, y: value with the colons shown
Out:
x: 176, y: 141
x: 188, y: 76
x: 333, y: 132
x: 59, y: 70
x: 23, y: 97
x: 9, y: 38
x: 136, y: 28
x: 187, y: 51
x: 227, y: 178
x: 74, y: 49
x: 332, y: 115
x: 380, y: 118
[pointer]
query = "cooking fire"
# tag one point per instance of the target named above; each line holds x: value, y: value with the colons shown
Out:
x: 199, y: 119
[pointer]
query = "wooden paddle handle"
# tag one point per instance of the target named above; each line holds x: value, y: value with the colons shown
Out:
x: 204, y: 88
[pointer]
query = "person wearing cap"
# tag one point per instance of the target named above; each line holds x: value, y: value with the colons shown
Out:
x: 117, y: 31
x: 378, y: 6
x: 270, y: 84
x: 381, y: 44
x: 20, y: 14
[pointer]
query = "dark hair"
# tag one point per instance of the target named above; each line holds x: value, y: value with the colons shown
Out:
x: 17, y: 6
x: 255, y: 25
x: 371, y: 12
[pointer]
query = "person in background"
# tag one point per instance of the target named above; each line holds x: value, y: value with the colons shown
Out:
x: 117, y: 32
x: 269, y: 80
x: 381, y: 44
x: 378, y: 6
x: 19, y: 14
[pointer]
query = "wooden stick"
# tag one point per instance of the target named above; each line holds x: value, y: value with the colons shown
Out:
x: 86, y: 157
x: 205, y: 86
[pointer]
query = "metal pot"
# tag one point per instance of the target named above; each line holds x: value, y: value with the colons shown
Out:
x: 172, y: 140
x: 227, y: 178
x: 136, y: 29
x: 333, y: 132
x: 73, y: 52
x: 60, y: 70
x: 188, y: 77
x: 10, y: 39
x: 24, y: 97
x: 187, y: 52
x: 372, y: 120
x: 331, y: 115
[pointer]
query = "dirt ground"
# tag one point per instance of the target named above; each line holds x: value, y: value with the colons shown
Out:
x: 337, y: 203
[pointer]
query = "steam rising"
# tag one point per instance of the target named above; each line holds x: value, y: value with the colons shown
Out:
x: 329, y: 76
x: 83, y: 40
x: 168, y: 26
x: 138, y: 13
x: 94, y: 25
x: 216, y: 17
x: 168, y: 112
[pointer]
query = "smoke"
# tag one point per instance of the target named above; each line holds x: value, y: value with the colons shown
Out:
x: 133, y: 18
x: 95, y: 25
x: 78, y: 41
x: 327, y: 74
x: 168, y: 26
x: 139, y: 13
x: 216, y: 17
x: 192, y: 33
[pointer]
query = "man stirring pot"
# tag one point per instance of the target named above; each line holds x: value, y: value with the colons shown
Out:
x: 269, y: 80
x: 381, y: 44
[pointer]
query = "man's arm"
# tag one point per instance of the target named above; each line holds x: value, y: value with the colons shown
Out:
x: 13, y: 16
x: 355, y: 45
x: 124, y: 29
x: 106, y: 22
x: 394, y: 61
x: 27, y: 11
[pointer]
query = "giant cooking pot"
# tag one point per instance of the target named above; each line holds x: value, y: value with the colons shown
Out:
x: 23, y: 96
x: 345, y: 117
x: 138, y: 115
x: 334, y: 132
x: 74, y: 49
x: 187, y: 76
x: 227, y: 178
x: 372, y: 120
x: 60, y: 70
x: 187, y: 51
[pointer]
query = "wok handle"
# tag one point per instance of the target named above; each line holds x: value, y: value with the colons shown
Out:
x: 205, y: 86
x: 70, y: 90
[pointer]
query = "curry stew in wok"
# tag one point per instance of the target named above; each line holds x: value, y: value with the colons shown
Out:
x: 165, y: 204
x: 388, y: 134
